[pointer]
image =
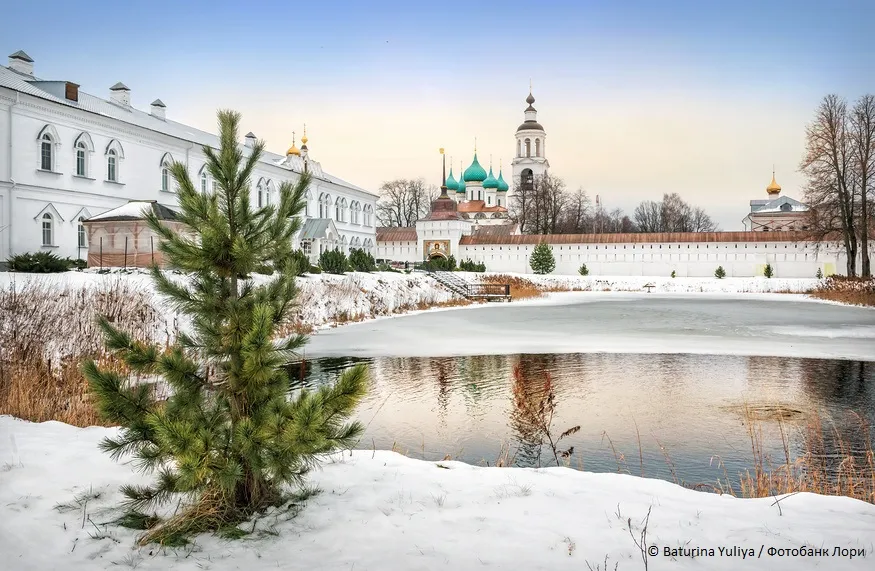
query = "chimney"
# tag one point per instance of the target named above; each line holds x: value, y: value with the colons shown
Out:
x: 121, y: 94
x: 159, y: 109
x: 21, y: 62
x: 250, y: 140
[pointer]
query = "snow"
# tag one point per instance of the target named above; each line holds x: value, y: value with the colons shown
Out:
x: 134, y: 208
x: 378, y: 510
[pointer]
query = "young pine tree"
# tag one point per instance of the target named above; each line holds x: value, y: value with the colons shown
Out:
x: 230, y: 438
x: 542, y: 261
x: 768, y: 271
x: 719, y: 273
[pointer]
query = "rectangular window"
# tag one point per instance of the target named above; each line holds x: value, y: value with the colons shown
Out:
x: 80, y: 162
x: 47, y: 233
x: 110, y: 169
x: 83, y: 243
x: 46, y: 156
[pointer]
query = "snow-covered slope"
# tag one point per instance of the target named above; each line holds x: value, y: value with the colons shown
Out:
x: 383, y: 511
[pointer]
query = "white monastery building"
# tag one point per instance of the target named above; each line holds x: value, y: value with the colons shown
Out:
x: 470, y: 221
x: 68, y: 156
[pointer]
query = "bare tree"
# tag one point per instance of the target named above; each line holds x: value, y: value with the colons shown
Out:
x: 402, y: 202
x: 862, y: 134
x: 538, y: 209
x: 577, y: 218
x: 831, y: 185
x: 672, y: 214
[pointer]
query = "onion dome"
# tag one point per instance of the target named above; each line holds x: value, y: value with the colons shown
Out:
x: 475, y: 173
x: 490, y: 181
x: 304, y: 139
x: 293, y: 150
x: 502, y: 185
x: 451, y: 182
x: 774, y: 187
x: 461, y: 188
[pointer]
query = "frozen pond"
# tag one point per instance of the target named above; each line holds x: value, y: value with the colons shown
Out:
x: 588, y: 322
x: 672, y: 371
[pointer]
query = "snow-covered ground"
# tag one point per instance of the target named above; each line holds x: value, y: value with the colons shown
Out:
x: 383, y: 511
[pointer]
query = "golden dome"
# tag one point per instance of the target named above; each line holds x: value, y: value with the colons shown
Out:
x: 774, y: 187
x: 304, y: 139
x: 293, y: 150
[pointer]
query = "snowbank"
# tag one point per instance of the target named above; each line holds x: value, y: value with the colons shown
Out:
x: 383, y: 511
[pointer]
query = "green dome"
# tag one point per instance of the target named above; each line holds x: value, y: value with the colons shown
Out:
x: 461, y: 187
x: 475, y: 173
x: 502, y: 186
x: 451, y: 182
x: 491, y: 181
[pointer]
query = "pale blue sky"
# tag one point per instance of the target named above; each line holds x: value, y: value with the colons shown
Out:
x: 638, y: 98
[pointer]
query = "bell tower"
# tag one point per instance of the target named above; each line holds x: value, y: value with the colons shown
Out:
x: 530, y: 158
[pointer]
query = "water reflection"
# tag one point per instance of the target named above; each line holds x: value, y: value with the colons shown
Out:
x: 686, y: 407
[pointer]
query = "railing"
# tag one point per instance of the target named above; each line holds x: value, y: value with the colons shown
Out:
x: 471, y: 290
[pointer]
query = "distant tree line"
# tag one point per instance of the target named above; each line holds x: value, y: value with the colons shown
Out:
x: 839, y: 167
x: 549, y: 208
x: 404, y: 201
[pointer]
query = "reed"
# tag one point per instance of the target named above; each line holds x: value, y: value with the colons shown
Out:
x: 853, y: 291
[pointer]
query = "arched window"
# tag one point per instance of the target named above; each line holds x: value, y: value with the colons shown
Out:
x: 259, y: 193
x: 345, y: 210
x: 537, y: 147
x: 47, y: 139
x: 519, y: 148
x: 81, y: 159
x: 166, y: 162
x: 528, y: 147
x: 114, y: 154
x: 324, y: 205
x: 268, y: 193
x: 204, y: 179
x: 48, y: 230
x: 83, y: 239
x: 111, y: 166
x: 84, y: 147
x: 338, y: 210
x: 307, y: 198
x: 343, y: 245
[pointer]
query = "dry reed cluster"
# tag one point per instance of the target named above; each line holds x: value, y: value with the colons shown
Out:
x: 854, y: 291
x: 521, y: 288
x: 46, y: 331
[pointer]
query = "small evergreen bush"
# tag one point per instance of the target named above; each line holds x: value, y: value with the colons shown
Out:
x: 819, y: 274
x: 301, y: 261
x: 471, y: 266
x: 767, y: 271
x: 361, y: 261
x: 583, y: 270
x: 542, y: 260
x: 438, y: 264
x: 315, y: 270
x: 40, y: 263
x: 719, y: 273
x: 674, y: 274
x: 333, y: 262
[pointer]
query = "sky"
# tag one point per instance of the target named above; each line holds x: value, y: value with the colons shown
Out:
x: 638, y: 98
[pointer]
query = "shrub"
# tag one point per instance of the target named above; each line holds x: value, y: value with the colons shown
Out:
x: 583, y: 270
x: 767, y: 271
x: 471, y: 266
x: 719, y: 273
x: 819, y: 274
x: 39, y: 263
x: 440, y: 264
x: 301, y: 261
x: 315, y: 270
x: 674, y: 274
x: 361, y: 261
x: 542, y: 261
x: 78, y: 264
x: 333, y: 262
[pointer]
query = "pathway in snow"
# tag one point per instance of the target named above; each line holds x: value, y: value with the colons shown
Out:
x: 723, y: 324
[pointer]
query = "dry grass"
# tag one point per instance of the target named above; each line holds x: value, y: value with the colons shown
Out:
x: 521, y: 288
x: 48, y: 330
x: 853, y: 291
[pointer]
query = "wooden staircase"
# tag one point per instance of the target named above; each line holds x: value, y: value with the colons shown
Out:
x: 473, y: 291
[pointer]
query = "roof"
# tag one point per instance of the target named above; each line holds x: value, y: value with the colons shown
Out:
x: 479, y: 206
x: 396, y: 234
x: 643, y: 238
x: 135, y: 210
x: 774, y: 206
x: 126, y: 114
x: 119, y: 87
x: 158, y: 103
x: 530, y: 125
x: 492, y: 230
x: 316, y: 228
x: 22, y: 56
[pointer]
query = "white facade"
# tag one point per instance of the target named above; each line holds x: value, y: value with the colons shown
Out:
x: 67, y: 155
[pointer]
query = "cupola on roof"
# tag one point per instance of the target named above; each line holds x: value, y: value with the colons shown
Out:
x: 490, y: 181
x: 774, y: 187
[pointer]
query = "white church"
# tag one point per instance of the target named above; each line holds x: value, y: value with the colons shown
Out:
x: 69, y: 156
x: 470, y: 221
